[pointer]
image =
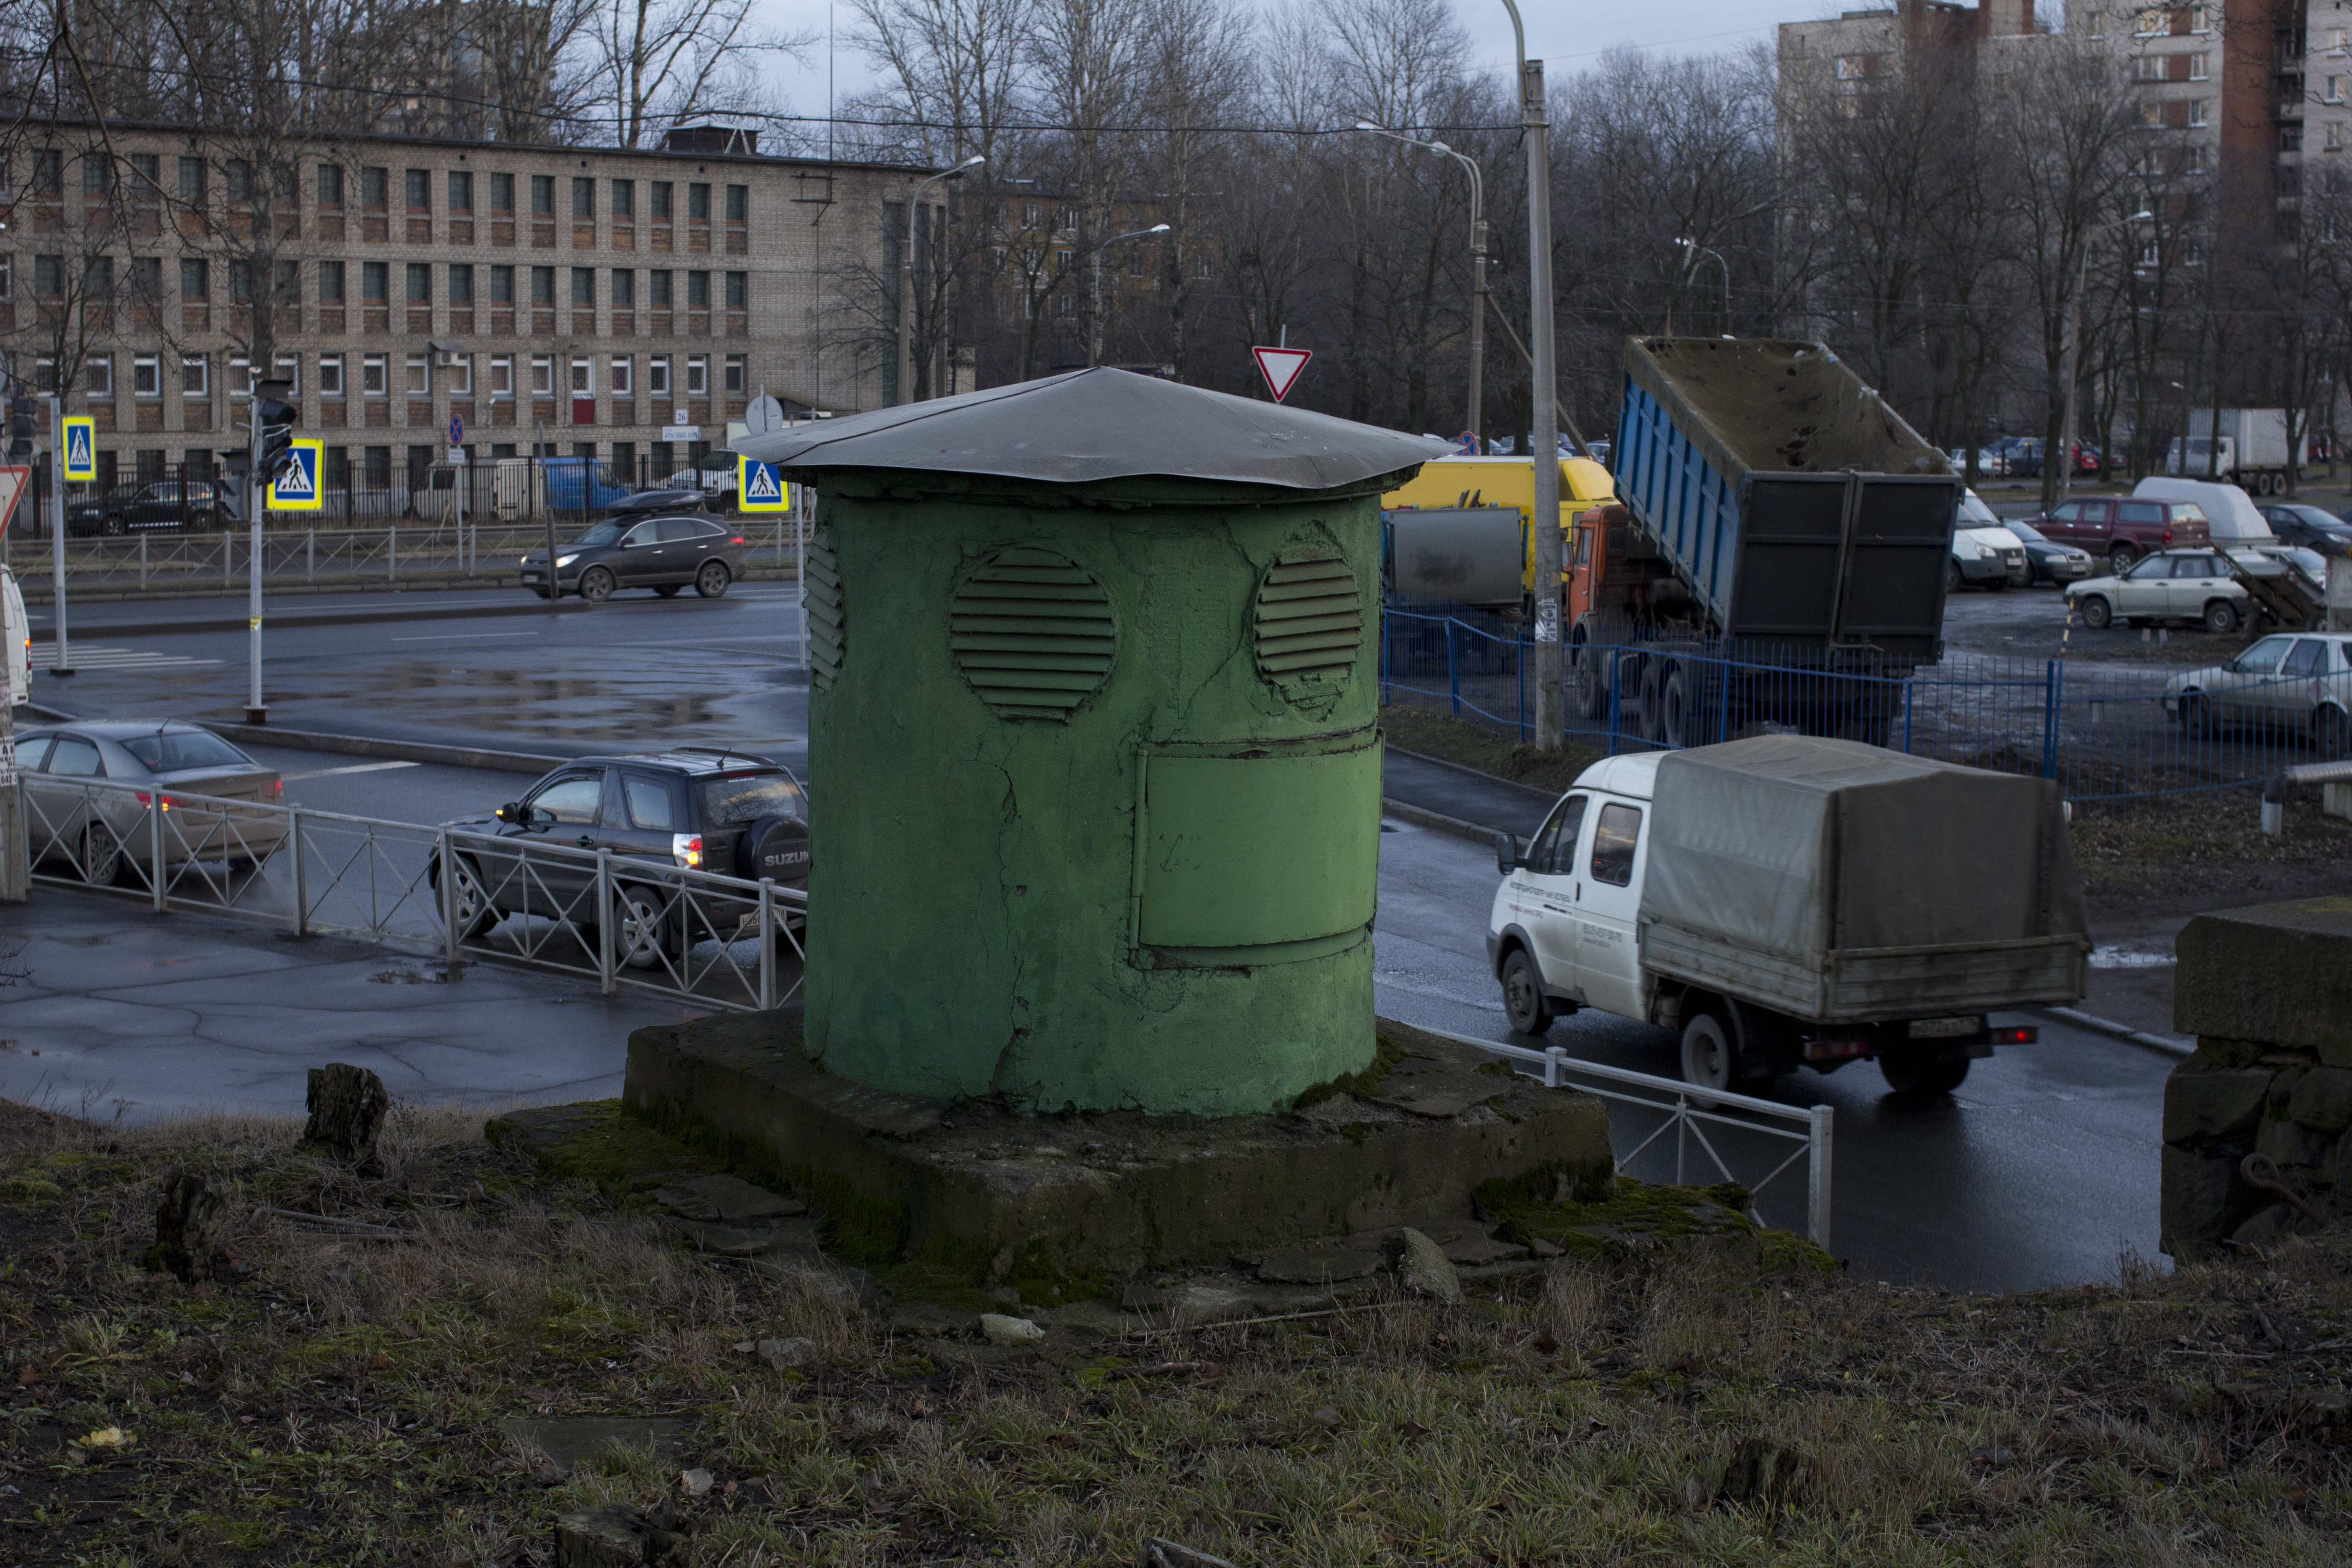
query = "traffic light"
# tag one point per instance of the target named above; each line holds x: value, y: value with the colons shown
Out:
x: 276, y: 420
x: 20, y: 430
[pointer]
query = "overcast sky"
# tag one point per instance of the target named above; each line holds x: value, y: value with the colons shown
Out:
x: 1563, y: 34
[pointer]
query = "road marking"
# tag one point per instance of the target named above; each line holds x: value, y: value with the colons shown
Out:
x: 87, y: 657
x: 354, y: 768
x: 467, y: 637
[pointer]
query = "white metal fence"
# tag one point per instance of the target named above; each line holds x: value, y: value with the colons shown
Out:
x: 461, y: 893
x: 163, y: 559
x: 1688, y: 1113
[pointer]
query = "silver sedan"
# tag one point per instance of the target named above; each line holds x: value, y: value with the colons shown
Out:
x: 96, y: 791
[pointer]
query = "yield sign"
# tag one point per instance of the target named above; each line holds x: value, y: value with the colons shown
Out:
x: 12, y: 485
x: 1281, y: 367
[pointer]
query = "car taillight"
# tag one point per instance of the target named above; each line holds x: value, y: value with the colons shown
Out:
x: 2025, y: 1037
x: 1836, y: 1050
x: 144, y: 798
x: 2167, y: 536
x: 686, y: 848
x: 737, y: 540
x: 277, y: 786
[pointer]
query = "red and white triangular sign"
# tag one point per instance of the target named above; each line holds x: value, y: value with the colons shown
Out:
x: 1281, y: 367
x: 13, y: 479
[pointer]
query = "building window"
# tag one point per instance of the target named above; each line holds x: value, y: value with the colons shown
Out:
x: 331, y: 185
x: 739, y: 290
x: 583, y: 198
x: 2197, y: 67
x: 2335, y: 136
x: 420, y: 375
x: 2196, y: 161
x: 584, y: 378
x: 1065, y: 219
x: 735, y: 376
x: 375, y: 376
x: 698, y: 203
x: 2148, y: 68
x: 623, y: 376
x: 502, y: 194
x: 49, y: 172
x: 419, y: 182
x: 657, y: 377
x: 331, y: 282
x: 146, y: 278
x: 458, y: 375
x: 1063, y: 261
x: 542, y: 375
x: 195, y: 376
x: 45, y: 374
x: 375, y: 282
x: 49, y: 276
x: 240, y: 378
x: 461, y: 191
x: 2199, y: 19
x: 2290, y: 139
x: 288, y: 369
x: 147, y: 375
x: 8, y: 277
x: 624, y: 288
x: 657, y: 290
x: 624, y: 198
x: 2335, y: 93
x: 461, y: 285
x: 2197, y: 111
x: 240, y: 281
x: 1033, y: 214
x: 584, y: 286
x: 2147, y: 22
x: 501, y: 376
x: 420, y: 282
x: 98, y: 378
x: 2098, y: 24
x: 661, y: 193
x: 739, y: 204
x: 375, y: 189
x: 2150, y: 253
x: 239, y: 172
x: 331, y: 375
x: 697, y: 375
x: 542, y: 285
x: 503, y: 286
x: 195, y: 279
x: 147, y: 171
x: 697, y: 291
x: 542, y: 193
x: 97, y: 175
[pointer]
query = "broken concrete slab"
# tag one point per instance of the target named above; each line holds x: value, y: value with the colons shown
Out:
x: 572, y: 1440
x: 729, y: 1200
x: 2273, y: 972
x: 746, y: 1240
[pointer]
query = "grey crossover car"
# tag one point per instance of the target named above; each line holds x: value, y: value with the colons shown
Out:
x: 662, y: 554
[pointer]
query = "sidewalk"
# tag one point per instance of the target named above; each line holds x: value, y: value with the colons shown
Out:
x: 116, y: 996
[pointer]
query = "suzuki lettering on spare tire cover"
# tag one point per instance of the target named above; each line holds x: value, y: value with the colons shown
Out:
x: 777, y: 848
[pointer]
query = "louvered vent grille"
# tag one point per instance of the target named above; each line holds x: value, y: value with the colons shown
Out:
x: 1032, y: 632
x: 1310, y: 623
x: 828, y: 632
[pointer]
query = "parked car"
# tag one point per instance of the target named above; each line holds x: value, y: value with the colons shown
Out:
x: 2191, y: 585
x: 662, y: 554
x: 1984, y: 554
x: 2025, y: 460
x: 2299, y: 684
x: 698, y: 808
x: 2051, y: 561
x: 16, y: 640
x: 646, y: 502
x: 101, y: 832
x: 2296, y: 524
x: 2123, y: 530
x: 139, y: 509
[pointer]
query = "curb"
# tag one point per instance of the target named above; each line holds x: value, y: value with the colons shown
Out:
x: 1436, y: 822
x: 41, y: 591
x: 1547, y: 798
x: 2123, y: 1032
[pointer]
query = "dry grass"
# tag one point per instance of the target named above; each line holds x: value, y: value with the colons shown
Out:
x: 340, y: 1401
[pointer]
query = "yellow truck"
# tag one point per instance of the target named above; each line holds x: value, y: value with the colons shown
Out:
x: 1460, y: 530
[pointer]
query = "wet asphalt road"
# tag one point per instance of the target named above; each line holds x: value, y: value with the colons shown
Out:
x: 2041, y: 1171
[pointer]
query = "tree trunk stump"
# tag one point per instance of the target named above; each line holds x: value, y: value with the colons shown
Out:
x: 190, y: 1225
x: 347, y: 1107
x: 611, y: 1538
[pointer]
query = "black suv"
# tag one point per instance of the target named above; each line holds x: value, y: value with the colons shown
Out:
x: 664, y: 553
x: 704, y: 808
x: 138, y: 508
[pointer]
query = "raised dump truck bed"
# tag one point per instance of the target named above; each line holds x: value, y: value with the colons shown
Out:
x: 1793, y: 506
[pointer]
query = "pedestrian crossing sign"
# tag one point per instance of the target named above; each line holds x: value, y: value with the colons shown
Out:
x: 299, y: 488
x: 759, y: 487
x: 81, y: 451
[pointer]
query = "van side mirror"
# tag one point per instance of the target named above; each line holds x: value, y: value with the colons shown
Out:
x: 1507, y: 853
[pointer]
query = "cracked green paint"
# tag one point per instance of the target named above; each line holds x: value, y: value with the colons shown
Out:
x: 1161, y: 901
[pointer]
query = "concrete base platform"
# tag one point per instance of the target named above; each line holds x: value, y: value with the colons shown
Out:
x: 971, y: 1189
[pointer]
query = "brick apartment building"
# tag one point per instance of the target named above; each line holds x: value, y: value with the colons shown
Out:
x: 608, y: 296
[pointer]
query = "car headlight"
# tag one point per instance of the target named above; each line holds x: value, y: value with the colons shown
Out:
x: 564, y: 561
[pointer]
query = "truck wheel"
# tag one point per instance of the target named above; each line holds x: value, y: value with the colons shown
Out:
x: 1525, y: 1006
x: 2196, y: 714
x: 1589, y: 673
x: 2098, y: 613
x: 1916, y: 1072
x: 2120, y: 559
x: 1710, y: 1060
x: 2331, y: 732
x: 1953, y: 581
x: 1650, y: 701
x: 1688, y: 709
x: 2220, y: 617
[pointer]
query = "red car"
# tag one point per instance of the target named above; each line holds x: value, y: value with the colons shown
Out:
x: 2124, y: 528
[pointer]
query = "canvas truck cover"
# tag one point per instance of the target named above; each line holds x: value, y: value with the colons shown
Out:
x: 1838, y: 881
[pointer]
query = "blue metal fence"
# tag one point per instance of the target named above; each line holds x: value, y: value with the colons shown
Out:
x: 2110, y: 734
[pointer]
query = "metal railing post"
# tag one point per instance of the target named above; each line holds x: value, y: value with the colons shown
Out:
x: 1453, y: 674
x: 605, y: 978
x: 1817, y: 1176
x: 2054, y: 688
x: 155, y: 848
x: 142, y: 563
x: 1555, y: 1059
x: 310, y: 555
x: 302, y: 881
x: 392, y: 554
x: 767, y: 943
x: 228, y: 560
x: 448, y: 898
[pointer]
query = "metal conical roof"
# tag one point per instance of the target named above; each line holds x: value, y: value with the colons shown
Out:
x: 1102, y: 424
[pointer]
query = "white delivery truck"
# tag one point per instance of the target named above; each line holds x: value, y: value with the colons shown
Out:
x: 2251, y: 449
x: 16, y: 638
x: 1791, y: 901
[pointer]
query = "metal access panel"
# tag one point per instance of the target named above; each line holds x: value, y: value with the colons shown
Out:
x: 1844, y: 559
x: 1469, y: 554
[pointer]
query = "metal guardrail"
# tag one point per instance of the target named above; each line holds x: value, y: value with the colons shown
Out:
x: 1688, y: 1112
x: 160, y: 559
x: 457, y: 893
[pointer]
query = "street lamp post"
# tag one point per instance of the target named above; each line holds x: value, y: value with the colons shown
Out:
x: 906, y: 277
x: 1094, y: 311
x: 1550, y: 554
x: 1695, y: 252
x: 2064, y: 460
x: 1477, y: 426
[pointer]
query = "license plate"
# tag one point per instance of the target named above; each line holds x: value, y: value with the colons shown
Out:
x: 1944, y: 1029
x: 530, y: 576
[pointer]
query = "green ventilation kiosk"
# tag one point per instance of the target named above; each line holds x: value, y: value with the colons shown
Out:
x: 1094, y: 764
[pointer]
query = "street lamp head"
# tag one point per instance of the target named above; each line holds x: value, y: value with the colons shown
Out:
x: 974, y: 162
x: 2143, y: 216
x: 1157, y: 228
x: 1368, y: 125
x: 1440, y: 149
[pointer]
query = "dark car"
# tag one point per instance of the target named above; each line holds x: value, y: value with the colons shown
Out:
x: 701, y: 808
x: 2122, y: 529
x: 2296, y: 524
x: 2051, y: 561
x: 138, y: 508
x: 662, y: 554
x: 681, y: 499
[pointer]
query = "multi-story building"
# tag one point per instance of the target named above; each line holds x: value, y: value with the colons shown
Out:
x: 1858, y: 47
x: 619, y: 304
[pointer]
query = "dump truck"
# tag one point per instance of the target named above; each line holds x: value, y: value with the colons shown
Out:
x: 1795, y: 901
x: 1461, y: 530
x: 1776, y: 517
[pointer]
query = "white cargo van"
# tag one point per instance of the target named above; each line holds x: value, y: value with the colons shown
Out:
x: 17, y: 634
x: 1788, y: 900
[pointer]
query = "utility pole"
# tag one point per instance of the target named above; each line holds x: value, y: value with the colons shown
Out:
x: 14, y: 849
x: 1550, y: 553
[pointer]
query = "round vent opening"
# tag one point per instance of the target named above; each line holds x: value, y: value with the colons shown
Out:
x: 1310, y: 624
x: 827, y: 631
x: 1032, y: 632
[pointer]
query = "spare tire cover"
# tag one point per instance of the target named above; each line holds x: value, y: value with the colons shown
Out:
x: 775, y: 847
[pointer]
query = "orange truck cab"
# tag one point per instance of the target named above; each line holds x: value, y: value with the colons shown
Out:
x: 1465, y: 485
